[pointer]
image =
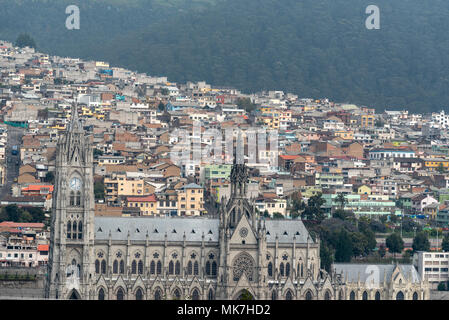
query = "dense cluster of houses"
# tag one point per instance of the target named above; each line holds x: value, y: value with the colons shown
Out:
x: 390, y: 163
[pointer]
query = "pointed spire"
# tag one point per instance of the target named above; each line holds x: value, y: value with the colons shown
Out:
x: 75, y: 123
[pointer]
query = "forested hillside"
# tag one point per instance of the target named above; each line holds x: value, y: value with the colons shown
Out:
x: 315, y: 48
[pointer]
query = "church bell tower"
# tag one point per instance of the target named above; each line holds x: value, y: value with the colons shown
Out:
x: 72, y: 218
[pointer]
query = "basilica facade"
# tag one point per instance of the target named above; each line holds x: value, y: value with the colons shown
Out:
x: 239, y: 254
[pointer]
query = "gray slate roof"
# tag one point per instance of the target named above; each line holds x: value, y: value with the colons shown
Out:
x: 353, y: 270
x: 139, y: 226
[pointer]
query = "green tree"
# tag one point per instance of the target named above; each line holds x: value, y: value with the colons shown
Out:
x: 326, y: 256
x: 38, y: 215
x: 441, y: 286
x: 278, y: 216
x: 394, y: 243
x: 3, y: 215
x: 266, y: 214
x: 343, y: 214
x: 97, y: 153
x: 25, y: 216
x: 341, y: 200
x: 50, y: 177
x: 245, y: 103
x: 313, y: 210
x: 445, y: 243
x: 421, y: 242
x: 441, y: 168
x: 13, y: 212
x: 343, y: 249
x: 246, y: 295
x: 25, y: 40
x: 99, y: 189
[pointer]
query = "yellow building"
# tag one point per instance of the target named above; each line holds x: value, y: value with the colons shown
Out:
x: 364, y: 190
x: 434, y: 164
x: 367, y: 121
x: 345, y: 134
x: 191, y: 200
x: 120, y: 185
x: 146, y: 204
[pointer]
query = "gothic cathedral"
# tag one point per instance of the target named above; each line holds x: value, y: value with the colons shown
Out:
x: 238, y: 255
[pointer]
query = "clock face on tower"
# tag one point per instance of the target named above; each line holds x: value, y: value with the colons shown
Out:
x: 75, y: 183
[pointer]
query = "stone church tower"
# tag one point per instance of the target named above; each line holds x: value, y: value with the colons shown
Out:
x: 242, y: 241
x: 70, y: 268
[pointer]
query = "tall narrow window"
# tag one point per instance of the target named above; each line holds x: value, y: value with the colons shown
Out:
x: 270, y: 269
x: 115, y: 267
x: 72, y: 198
x: 158, y: 294
x: 177, y: 268
x: 195, y: 295
x: 189, y: 268
x: 195, y: 268
x: 69, y: 230
x: 120, y: 294
x: 159, y: 267
x: 122, y: 266
x: 281, y: 269
x: 152, y: 267
x: 139, y: 294
x: 97, y: 266
x: 101, y: 294
x: 103, y: 266
x: 214, y: 268
x: 74, y: 229
x: 134, y: 267
x: 210, y: 295
x: 171, y: 267
x: 78, y: 198
x: 208, y: 268
x: 287, y: 269
x: 80, y: 230
x: 140, y: 267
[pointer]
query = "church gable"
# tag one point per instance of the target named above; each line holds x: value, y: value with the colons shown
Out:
x: 243, y: 232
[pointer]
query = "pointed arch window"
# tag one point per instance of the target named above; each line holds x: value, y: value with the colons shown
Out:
x: 140, y: 267
x: 97, y: 266
x: 139, y: 294
x: 74, y: 229
x: 214, y: 268
x: 352, y: 295
x: 195, y: 295
x: 415, y: 296
x: 115, y: 267
x: 159, y: 267
x: 289, y: 295
x: 189, y: 268
x: 158, y: 294
x: 210, y: 295
x: 122, y: 267
x: 309, y: 295
x: 327, y: 295
x: 287, y: 269
x: 134, y: 267
x: 270, y: 269
x: 152, y: 267
x: 365, y: 295
x: 171, y: 267
x: 101, y: 294
x: 302, y: 270
x: 208, y: 271
x: 176, y: 294
x: 103, y: 266
x: 377, y: 296
x: 281, y: 269
x: 400, y: 296
x: 273, y: 295
x: 120, y: 294
x: 177, y: 268
x: 196, y: 268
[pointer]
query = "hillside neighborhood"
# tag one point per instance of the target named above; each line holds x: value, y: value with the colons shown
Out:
x: 382, y: 176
